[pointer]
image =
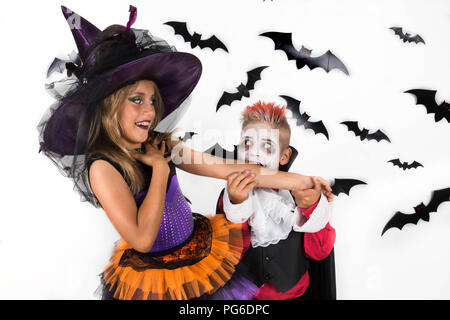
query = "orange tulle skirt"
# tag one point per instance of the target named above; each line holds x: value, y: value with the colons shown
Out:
x: 200, y: 266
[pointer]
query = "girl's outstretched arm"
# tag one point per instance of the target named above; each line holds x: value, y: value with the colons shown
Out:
x: 200, y: 163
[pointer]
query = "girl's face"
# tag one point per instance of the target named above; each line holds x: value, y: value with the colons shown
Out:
x: 260, y: 144
x: 137, y: 113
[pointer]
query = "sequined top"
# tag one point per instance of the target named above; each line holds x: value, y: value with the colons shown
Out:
x: 177, y: 222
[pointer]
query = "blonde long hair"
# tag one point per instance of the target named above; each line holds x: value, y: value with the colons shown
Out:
x: 105, y: 135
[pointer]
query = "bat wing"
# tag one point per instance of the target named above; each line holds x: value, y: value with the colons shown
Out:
x: 437, y: 198
x: 414, y: 165
x: 181, y: 29
x: 293, y: 105
x: 317, y: 127
x: 253, y: 76
x: 426, y: 98
x: 416, y: 39
x: 283, y: 41
x: 353, y: 127
x: 400, y: 219
x: 398, y: 31
x: 378, y: 135
x: 344, y: 185
x: 213, y: 43
x: 227, y: 98
x: 187, y: 136
x: 396, y: 162
x: 328, y: 61
x: 218, y: 151
x: 58, y: 65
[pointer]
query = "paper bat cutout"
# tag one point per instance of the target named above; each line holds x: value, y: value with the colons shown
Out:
x: 218, y: 151
x: 428, y: 99
x: 405, y: 165
x: 422, y: 212
x: 364, y: 133
x: 187, y: 136
x: 344, y: 185
x: 406, y: 36
x: 59, y: 65
x: 212, y: 42
x: 303, y: 118
x: 283, y: 41
x: 243, y: 90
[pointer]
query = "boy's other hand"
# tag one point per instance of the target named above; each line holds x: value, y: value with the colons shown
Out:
x: 306, y: 198
x: 239, y: 185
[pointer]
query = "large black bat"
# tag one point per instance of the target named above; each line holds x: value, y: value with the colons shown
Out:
x: 243, y: 90
x: 405, y: 165
x: 422, y: 212
x: 196, y: 39
x: 406, y: 36
x: 344, y: 185
x: 364, y: 133
x: 60, y: 65
x: 428, y: 99
x: 302, y: 57
x: 303, y: 118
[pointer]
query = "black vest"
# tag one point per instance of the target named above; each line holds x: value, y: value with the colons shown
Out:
x: 281, y: 264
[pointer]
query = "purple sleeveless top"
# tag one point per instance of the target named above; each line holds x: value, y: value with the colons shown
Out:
x: 177, y: 223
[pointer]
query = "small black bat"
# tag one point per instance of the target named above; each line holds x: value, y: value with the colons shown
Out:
x: 406, y: 36
x: 212, y: 42
x: 218, y: 151
x: 303, y: 118
x: 405, y: 165
x: 344, y: 185
x: 364, y: 133
x: 302, y: 57
x: 428, y: 99
x: 243, y: 90
x: 422, y: 212
x: 187, y: 136
x: 59, y: 65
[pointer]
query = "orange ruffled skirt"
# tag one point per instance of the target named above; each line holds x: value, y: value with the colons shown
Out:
x: 202, y: 265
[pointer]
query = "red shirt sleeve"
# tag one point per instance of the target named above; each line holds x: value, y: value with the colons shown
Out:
x: 318, y: 245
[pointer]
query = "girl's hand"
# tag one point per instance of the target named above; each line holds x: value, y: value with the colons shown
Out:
x: 239, y: 185
x: 153, y: 156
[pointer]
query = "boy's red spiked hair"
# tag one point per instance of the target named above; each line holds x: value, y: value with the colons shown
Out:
x: 272, y: 114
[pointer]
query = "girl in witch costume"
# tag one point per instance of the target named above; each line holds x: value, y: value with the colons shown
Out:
x: 101, y: 133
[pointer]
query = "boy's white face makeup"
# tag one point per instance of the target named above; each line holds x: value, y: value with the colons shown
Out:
x: 260, y: 144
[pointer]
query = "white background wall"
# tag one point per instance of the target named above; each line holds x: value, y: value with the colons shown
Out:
x: 52, y: 246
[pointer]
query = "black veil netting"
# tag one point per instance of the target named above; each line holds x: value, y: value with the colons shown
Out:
x: 63, y: 129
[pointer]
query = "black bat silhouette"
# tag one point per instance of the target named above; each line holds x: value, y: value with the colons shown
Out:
x: 303, y: 118
x: 218, y: 151
x: 212, y: 42
x: 344, y: 185
x: 59, y: 65
x: 364, y: 133
x: 428, y: 99
x: 243, y: 90
x: 302, y: 57
x: 405, y: 165
x: 406, y: 36
x: 422, y: 212
x: 187, y: 136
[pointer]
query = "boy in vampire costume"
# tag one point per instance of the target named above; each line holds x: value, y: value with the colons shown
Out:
x: 289, y: 250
